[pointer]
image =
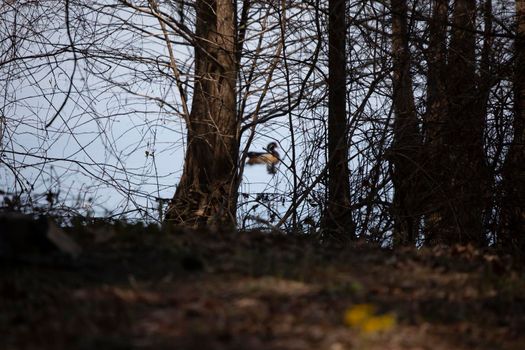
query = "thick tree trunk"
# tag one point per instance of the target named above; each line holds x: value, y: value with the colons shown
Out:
x: 454, y: 127
x: 207, y: 192
x: 513, y: 211
x: 338, y: 218
x: 465, y: 164
x: 486, y: 81
x: 407, y: 139
x: 434, y: 122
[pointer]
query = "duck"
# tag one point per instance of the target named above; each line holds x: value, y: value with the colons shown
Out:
x: 270, y: 157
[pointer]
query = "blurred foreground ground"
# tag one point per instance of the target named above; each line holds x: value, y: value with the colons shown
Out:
x: 132, y: 289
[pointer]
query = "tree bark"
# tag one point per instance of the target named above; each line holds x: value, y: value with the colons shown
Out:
x: 454, y: 132
x: 207, y: 191
x: 406, y: 145
x: 465, y: 164
x: 486, y: 82
x: 513, y: 211
x: 434, y: 122
x: 338, y: 216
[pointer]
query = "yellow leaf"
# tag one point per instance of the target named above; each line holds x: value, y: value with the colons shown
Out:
x: 378, y: 323
x: 364, y: 318
x: 357, y: 314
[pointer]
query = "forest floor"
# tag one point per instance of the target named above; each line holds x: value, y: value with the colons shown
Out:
x: 255, y: 291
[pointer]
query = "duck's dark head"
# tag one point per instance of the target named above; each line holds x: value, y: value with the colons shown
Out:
x: 271, y: 147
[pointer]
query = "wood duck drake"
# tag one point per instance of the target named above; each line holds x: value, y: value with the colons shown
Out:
x: 270, y: 158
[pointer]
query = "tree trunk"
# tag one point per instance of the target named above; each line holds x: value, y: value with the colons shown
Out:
x: 407, y: 139
x: 207, y: 192
x: 465, y: 164
x: 513, y: 211
x: 433, y: 125
x: 454, y: 127
x: 486, y: 82
x: 338, y: 218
